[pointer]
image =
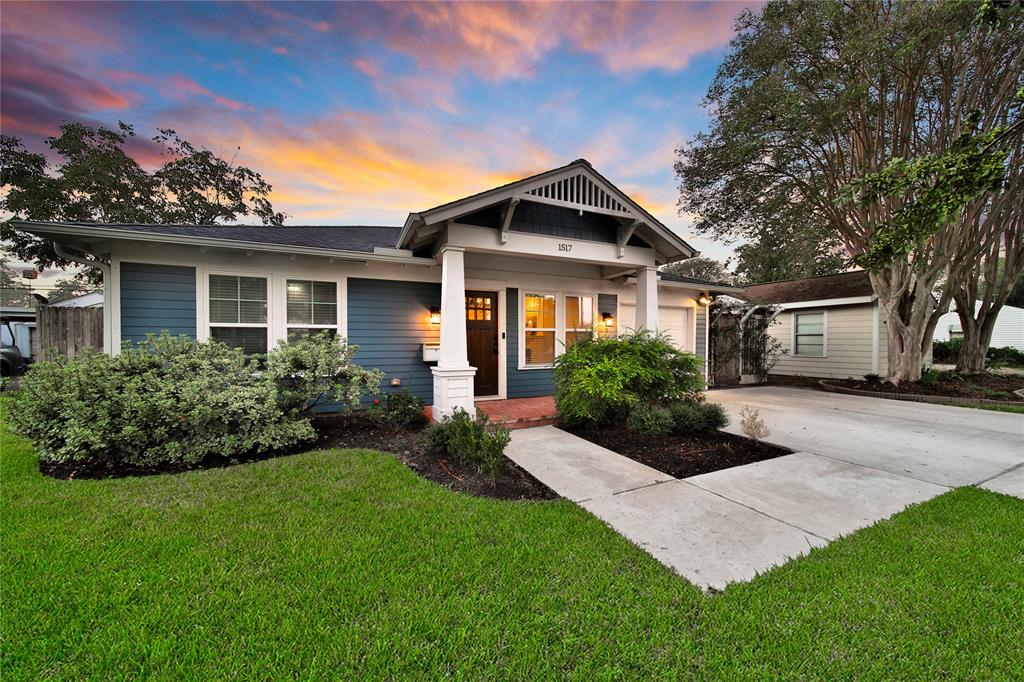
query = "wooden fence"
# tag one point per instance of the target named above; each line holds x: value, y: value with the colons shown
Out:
x: 67, y: 331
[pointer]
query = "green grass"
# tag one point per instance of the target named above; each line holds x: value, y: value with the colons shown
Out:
x: 345, y: 564
x: 1016, y: 409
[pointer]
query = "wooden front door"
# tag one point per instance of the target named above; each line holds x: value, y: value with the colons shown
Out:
x: 482, y: 340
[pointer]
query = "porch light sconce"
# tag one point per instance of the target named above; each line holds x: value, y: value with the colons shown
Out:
x: 608, y: 319
x: 705, y: 299
x: 435, y: 315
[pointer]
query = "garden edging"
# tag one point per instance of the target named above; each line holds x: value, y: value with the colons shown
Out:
x: 918, y: 398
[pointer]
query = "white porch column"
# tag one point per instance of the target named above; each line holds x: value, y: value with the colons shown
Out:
x: 647, y: 298
x: 453, y: 377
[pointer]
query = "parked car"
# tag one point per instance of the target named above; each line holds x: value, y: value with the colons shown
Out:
x: 12, y: 363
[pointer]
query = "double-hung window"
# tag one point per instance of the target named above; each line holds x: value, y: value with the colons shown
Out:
x: 539, y: 329
x: 312, y: 308
x: 238, y: 312
x: 579, y: 319
x: 809, y: 334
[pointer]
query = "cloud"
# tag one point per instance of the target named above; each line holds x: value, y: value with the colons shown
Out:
x: 183, y: 86
x: 497, y: 41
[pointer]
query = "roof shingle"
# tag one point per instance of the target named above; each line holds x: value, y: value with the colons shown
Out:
x: 843, y: 285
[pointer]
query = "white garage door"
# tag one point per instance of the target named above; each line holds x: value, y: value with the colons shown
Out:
x: 675, y: 322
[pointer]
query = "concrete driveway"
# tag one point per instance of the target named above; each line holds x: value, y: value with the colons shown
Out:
x: 858, y: 460
x: 949, y: 446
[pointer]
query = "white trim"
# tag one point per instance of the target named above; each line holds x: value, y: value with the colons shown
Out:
x: 874, y: 337
x: 203, y: 324
x: 824, y: 334
x: 112, y: 307
x: 502, y: 343
x: 825, y: 302
x: 522, y: 326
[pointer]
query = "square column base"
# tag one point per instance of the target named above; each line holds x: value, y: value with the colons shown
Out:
x: 453, y: 389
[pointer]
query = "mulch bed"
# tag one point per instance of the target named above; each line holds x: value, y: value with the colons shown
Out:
x: 347, y: 431
x: 986, y: 386
x: 682, y: 455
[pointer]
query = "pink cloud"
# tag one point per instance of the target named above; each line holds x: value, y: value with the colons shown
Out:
x: 280, y: 50
x: 182, y: 86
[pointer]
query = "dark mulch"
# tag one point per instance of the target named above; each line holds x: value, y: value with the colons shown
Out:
x: 682, y: 455
x: 348, y: 431
x: 990, y: 386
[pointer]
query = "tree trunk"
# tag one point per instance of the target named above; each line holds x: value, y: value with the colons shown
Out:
x: 976, y: 339
x: 907, y: 308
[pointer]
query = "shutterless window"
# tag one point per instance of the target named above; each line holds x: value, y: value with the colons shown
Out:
x: 579, y: 319
x: 312, y: 308
x: 539, y: 325
x: 810, y: 334
x: 238, y: 312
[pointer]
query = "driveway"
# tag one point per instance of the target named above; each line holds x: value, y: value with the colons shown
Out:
x: 949, y: 446
x: 858, y: 460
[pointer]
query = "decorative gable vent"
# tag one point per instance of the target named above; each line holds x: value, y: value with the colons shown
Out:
x: 580, y: 191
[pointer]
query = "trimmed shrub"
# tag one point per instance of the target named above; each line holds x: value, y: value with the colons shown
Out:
x: 173, y: 400
x: 945, y: 352
x: 696, y: 417
x: 319, y: 368
x: 602, y: 380
x: 1004, y: 355
x: 400, y: 410
x: 649, y: 420
x: 469, y: 440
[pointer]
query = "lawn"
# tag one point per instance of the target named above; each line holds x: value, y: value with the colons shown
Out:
x: 345, y: 564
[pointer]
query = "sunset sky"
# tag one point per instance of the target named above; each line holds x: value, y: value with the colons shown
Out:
x: 360, y: 113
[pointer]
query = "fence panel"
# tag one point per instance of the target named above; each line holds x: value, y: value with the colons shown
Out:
x: 66, y: 332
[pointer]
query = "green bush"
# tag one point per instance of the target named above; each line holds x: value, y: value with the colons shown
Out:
x: 1004, y: 355
x: 602, y: 380
x: 945, y: 352
x: 173, y: 400
x: 469, y: 441
x: 319, y: 368
x: 399, y: 410
x: 649, y: 420
x: 930, y: 376
x: 695, y: 417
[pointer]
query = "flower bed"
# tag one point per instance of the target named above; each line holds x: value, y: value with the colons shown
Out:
x: 983, y: 389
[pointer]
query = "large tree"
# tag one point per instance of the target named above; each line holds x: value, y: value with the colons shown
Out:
x: 815, y: 96
x: 96, y: 179
x: 702, y: 268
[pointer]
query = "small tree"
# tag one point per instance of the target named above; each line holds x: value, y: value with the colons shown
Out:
x: 702, y: 268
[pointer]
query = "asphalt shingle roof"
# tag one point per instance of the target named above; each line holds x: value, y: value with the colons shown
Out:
x: 843, y: 285
x: 334, y: 237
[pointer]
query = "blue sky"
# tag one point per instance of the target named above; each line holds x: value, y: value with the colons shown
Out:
x: 360, y: 113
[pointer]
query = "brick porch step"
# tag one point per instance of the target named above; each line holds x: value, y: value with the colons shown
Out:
x: 518, y: 413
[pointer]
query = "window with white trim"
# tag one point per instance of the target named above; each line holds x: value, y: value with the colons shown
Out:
x: 539, y: 329
x: 809, y: 334
x: 312, y: 308
x: 238, y: 312
x: 579, y: 319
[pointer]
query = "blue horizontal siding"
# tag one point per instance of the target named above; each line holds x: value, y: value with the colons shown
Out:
x: 157, y: 298
x: 389, y: 322
x: 527, y: 383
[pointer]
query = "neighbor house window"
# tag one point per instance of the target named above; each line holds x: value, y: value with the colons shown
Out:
x: 579, y: 319
x: 238, y: 312
x: 809, y: 334
x: 312, y: 308
x: 539, y: 329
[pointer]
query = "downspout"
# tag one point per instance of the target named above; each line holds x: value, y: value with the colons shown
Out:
x: 109, y: 346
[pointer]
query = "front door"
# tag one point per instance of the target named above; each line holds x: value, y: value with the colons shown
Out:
x: 482, y: 340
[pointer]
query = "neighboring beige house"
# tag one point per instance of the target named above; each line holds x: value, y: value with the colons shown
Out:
x: 829, y: 326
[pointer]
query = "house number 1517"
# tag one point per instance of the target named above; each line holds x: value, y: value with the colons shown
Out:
x: 565, y: 247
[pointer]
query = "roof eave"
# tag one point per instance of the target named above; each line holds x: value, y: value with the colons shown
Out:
x: 70, y: 230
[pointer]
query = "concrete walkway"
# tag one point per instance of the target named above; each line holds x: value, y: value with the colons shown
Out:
x: 730, y: 525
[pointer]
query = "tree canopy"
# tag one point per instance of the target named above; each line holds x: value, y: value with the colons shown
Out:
x: 96, y: 179
x: 703, y: 268
x: 814, y: 97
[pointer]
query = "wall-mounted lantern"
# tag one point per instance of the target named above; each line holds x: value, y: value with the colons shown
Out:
x: 435, y: 315
x: 608, y: 319
x: 705, y: 299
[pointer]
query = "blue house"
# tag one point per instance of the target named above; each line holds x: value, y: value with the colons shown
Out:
x: 468, y: 301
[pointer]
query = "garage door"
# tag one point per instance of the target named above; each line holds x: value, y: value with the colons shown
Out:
x: 675, y: 322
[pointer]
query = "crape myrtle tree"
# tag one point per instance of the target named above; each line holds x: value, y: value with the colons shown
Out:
x: 702, y: 268
x: 813, y: 104
x: 96, y: 179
